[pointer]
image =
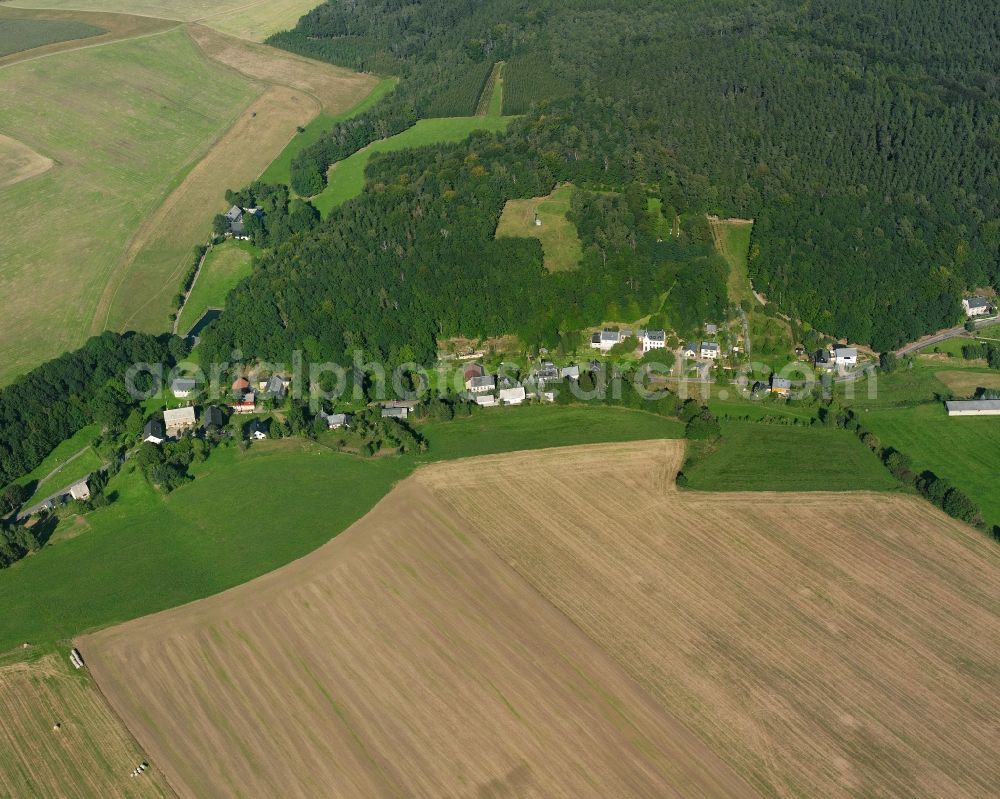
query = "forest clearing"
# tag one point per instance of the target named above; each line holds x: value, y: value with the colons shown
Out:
x: 843, y: 595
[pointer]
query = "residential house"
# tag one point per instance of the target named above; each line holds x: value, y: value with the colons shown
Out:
x: 606, y: 339
x: 824, y: 359
x: 257, y: 429
x: 481, y: 384
x: 652, y: 340
x: 80, y: 491
x: 178, y: 419
x: 781, y: 386
x: 571, y: 372
x: 235, y: 217
x: 211, y: 417
x: 973, y: 408
x: 395, y: 413
x: 153, y: 432
x: 689, y: 351
x: 711, y: 329
x: 845, y: 357
x: 183, y: 387
x: 709, y: 349
x: 240, y: 386
x: 547, y: 371
x: 976, y: 306
x: 334, y: 421
x: 276, y: 387
x: 513, y: 396
x: 486, y: 400
x: 246, y: 403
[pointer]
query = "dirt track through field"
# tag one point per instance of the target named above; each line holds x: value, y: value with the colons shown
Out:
x: 537, y: 624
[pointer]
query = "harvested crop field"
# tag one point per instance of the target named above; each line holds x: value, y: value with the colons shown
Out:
x: 19, y: 162
x: 91, y: 754
x: 565, y: 623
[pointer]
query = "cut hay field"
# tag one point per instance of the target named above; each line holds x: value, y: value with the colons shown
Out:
x: 19, y: 162
x: 258, y: 20
x: 164, y: 9
x: 160, y: 252
x: 347, y: 177
x: 561, y: 247
x: 90, y: 755
x: 819, y: 644
x: 964, y: 383
x: 132, y: 117
x: 224, y: 267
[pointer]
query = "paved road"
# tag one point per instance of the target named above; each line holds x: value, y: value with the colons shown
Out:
x: 944, y: 335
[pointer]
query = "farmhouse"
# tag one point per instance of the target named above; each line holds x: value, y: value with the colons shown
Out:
x: 211, y: 417
x: 178, y: 419
x: 976, y: 306
x: 513, y: 396
x: 153, y: 432
x: 183, y: 387
x: 80, y: 491
x: 606, y: 339
x: 652, y: 340
x: 480, y: 384
x: 709, y: 349
x: 973, y: 407
x: 845, y: 356
x: 781, y: 386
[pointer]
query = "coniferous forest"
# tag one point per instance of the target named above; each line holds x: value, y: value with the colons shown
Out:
x: 863, y: 139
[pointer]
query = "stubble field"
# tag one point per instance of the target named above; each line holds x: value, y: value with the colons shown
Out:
x: 90, y: 755
x: 565, y: 623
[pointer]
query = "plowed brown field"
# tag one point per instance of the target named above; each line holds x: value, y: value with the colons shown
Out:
x: 564, y: 623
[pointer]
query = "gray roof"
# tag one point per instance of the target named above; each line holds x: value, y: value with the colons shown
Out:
x: 183, y: 384
x: 973, y: 405
x: 336, y: 419
x: 394, y: 413
x: 780, y: 382
x: 275, y: 386
x: 709, y: 345
x: 656, y: 335
x: 609, y: 335
x: 846, y: 352
x: 571, y: 372
x: 711, y: 328
x: 483, y: 381
x: 977, y: 302
x: 211, y: 416
x: 234, y: 213
x: 154, y: 427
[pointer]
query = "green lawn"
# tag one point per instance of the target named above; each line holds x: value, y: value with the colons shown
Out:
x: 17, y: 35
x: 78, y: 468
x: 538, y: 426
x: 224, y: 267
x: 768, y: 457
x: 964, y: 451
x: 952, y: 346
x: 280, y: 169
x: 347, y: 177
x: 561, y: 247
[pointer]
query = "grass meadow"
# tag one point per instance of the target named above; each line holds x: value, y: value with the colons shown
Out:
x: 132, y: 118
x: 224, y: 267
x: 732, y: 240
x: 347, y: 177
x: 770, y: 457
x: 17, y: 35
x: 561, y: 247
x: 165, y: 9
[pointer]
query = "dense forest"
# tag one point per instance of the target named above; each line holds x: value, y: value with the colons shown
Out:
x: 52, y: 402
x: 865, y: 140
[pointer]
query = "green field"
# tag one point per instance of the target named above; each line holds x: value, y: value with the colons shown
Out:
x: 951, y: 346
x: 165, y: 9
x: 964, y: 451
x: 561, y: 247
x: 732, y: 240
x: 17, y: 35
x: 225, y: 266
x: 79, y: 467
x: 133, y: 117
x: 491, y: 102
x: 347, y: 177
x: 770, y: 457
x: 280, y: 169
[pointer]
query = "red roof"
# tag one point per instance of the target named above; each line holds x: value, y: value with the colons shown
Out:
x: 241, y: 384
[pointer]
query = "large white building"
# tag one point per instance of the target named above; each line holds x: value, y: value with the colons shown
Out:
x: 845, y: 356
x: 512, y: 396
x: 709, y: 349
x: 177, y: 419
x: 976, y: 306
x: 652, y: 340
x: 606, y: 339
x: 973, y: 407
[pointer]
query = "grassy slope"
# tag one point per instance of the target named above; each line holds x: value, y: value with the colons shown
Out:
x: 280, y: 169
x: 224, y: 267
x: 132, y: 118
x: 762, y: 457
x: 965, y: 451
x: 165, y: 9
x: 17, y: 35
x: 247, y: 514
x: 347, y: 177
x: 561, y: 245
x: 732, y: 239
x: 80, y: 466
x: 257, y: 22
